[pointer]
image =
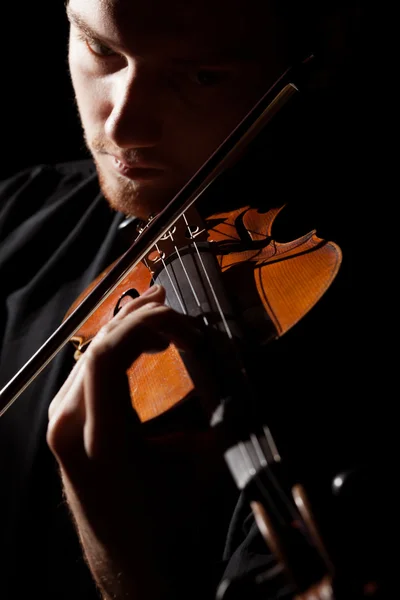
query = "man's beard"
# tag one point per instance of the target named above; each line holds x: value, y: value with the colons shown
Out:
x: 121, y: 197
x: 127, y: 196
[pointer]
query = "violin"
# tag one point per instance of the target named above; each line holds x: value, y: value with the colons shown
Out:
x: 198, y: 263
x: 198, y: 257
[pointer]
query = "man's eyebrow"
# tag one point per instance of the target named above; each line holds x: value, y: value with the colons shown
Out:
x: 79, y: 22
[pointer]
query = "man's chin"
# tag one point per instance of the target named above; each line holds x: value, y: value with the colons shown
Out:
x: 131, y: 198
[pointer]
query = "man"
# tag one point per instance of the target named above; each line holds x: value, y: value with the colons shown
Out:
x: 158, y: 87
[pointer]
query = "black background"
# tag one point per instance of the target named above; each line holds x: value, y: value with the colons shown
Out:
x: 39, y: 118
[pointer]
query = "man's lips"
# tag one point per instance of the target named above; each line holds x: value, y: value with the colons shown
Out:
x: 137, y: 170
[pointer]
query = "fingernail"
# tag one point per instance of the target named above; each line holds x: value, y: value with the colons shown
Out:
x: 152, y: 290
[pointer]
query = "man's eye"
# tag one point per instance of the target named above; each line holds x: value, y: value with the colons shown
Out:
x: 98, y: 49
x: 209, y: 77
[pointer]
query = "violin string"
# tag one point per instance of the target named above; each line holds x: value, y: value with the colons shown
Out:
x: 221, y: 313
x: 195, y: 296
x: 271, y: 444
x: 255, y: 442
x: 263, y: 462
x: 258, y: 450
x: 254, y: 474
x: 151, y: 272
x: 171, y: 281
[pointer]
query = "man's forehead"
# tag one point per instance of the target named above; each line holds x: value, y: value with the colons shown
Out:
x: 216, y: 19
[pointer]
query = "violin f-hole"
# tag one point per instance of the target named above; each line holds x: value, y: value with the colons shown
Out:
x: 132, y: 293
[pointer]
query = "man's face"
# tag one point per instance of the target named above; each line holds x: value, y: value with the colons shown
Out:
x: 160, y: 84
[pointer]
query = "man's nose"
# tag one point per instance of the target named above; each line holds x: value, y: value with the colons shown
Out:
x: 135, y: 119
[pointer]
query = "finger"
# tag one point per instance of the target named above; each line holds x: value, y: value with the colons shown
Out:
x: 186, y: 332
x: 149, y: 328
x: 66, y: 421
x: 155, y: 292
x: 74, y: 379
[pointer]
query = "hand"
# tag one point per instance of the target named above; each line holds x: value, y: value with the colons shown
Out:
x: 142, y: 506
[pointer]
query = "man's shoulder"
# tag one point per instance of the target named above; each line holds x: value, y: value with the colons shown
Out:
x: 76, y: 169
x: 47, y: 191
x: 44, y: 183
x: 84, y: 166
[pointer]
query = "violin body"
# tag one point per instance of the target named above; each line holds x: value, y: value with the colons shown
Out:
x: 270, y: 285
